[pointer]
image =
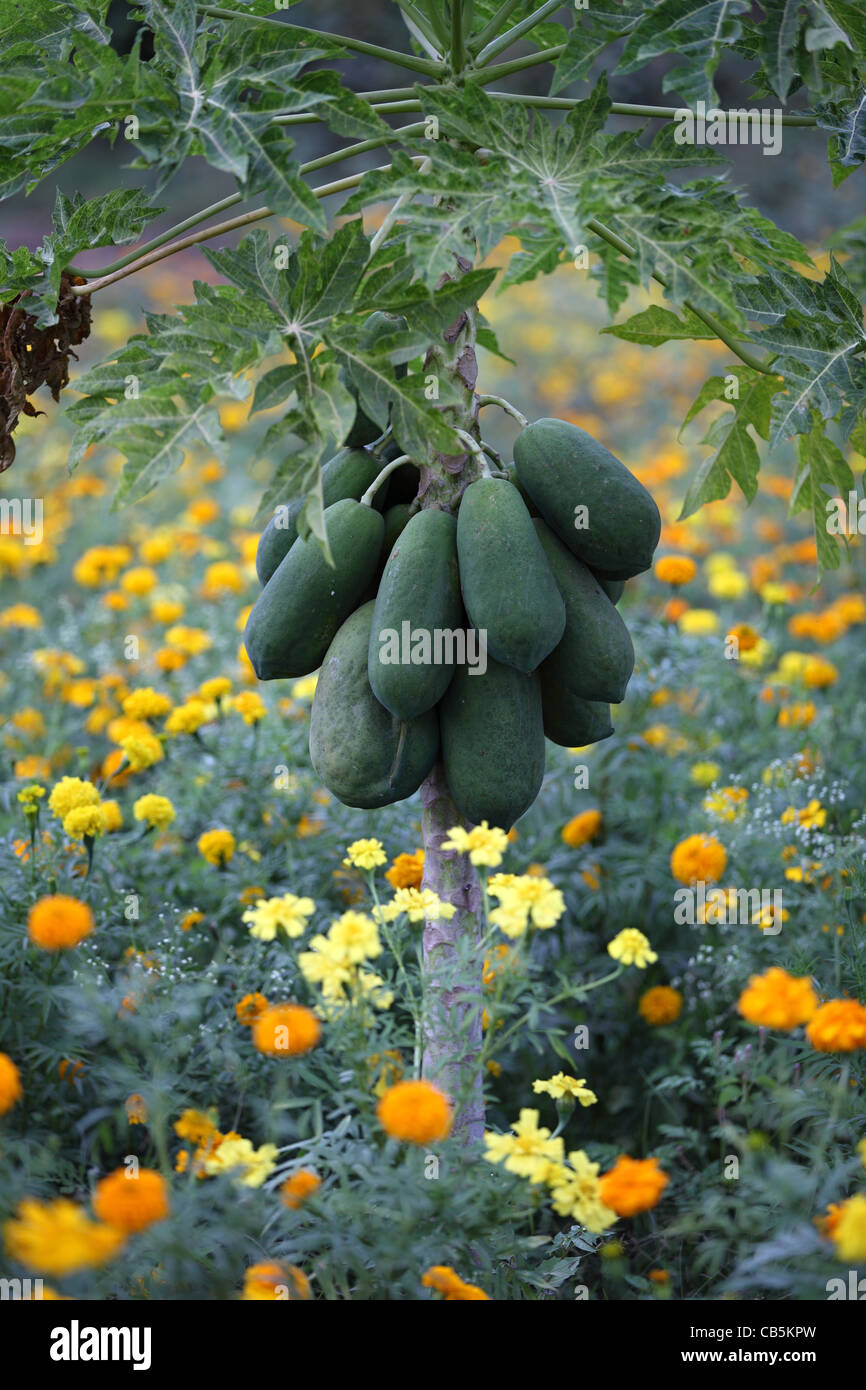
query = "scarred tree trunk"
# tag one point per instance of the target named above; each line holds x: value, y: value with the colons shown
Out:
x: 452, y: 959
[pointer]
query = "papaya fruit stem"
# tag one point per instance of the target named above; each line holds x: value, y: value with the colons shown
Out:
x: 367, y: 499
x: 452, y: 1034
x: 475, y: 448
x: 504, y: 405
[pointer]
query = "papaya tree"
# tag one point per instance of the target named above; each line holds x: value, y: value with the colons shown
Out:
x: 362, y: 338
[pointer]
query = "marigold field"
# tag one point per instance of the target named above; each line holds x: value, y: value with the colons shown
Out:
x: 210, y: 983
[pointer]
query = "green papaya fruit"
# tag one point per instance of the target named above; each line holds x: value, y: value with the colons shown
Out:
x: 348, y: 474
x: 418, y: 617
x: 515, y: 482
x: 508, y: 589
x: 492, y: 743
x: 591, y: 500
x: 595, y: 658
x: 298, y: 612
x: 569, y: 720
x: 364, y: 430
x: 364, y: 755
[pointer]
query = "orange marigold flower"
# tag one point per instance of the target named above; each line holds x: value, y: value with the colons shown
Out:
x: 69, y: 1070
x: 249, y: 1008
x: 406, y: 870
x: 778, y: 1000
x: 581, y: 828
x: 838, y: 1026
x: 698, y: 858
x: 58, y: 922
x: 274, y: 1281
x: 675, y: 569
x: 130, y: 1200
x: 447, y: 1281
x: 674, y: 609
x: 415, y: 1112
x: 661, y: 1004
x: 10, y: 1083
x: 136, y: 1109
x: 297, y: 1188
x: 632, y: 1185
x: 285, y: 1030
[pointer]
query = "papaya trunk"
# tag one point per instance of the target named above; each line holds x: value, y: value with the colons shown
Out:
x: 452, y: 966
x: 451, y: 961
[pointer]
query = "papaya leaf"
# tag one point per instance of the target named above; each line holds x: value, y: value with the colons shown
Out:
x: 654, y: 326
x: 696, y: 32
x: 731, y: 436
x: 824, y: 475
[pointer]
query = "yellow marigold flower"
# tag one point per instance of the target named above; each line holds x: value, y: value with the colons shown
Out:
x: 190, y: 920
x: 419, y: 905
x: 406, y: 870
x: 131, y: 1200
x: 365, y: 854
x: 214, y: 689
x: 84, y: 821
x: 444, y: 1280
x: 136, y: 1109
x: 575, y: 1190
x: 272, y: 915
x: 155, y: 811
x: 675, y: 569
x: 139, y: 581
x: 221, y: 578
x: 561, y: 1085
x: 298, y: 1187
x: 29, y: 721
x: 325, y: 964
x: 819, y: 673
x: 849, y: 1233
x: 778, y: 1000
x: 10, y: 1083
x: 529, y: 1151
x: 633, y: 1185
x: 188, y: 718
x: 58, y: 922
x: 355, y: 937
x: 142, y: 751
x: 20, y: 615
x: 698, y: 622
x: 154, y: 549
x: 698, y: 858
x: 164, y: 610
x: 660, y: 1005
x: 704, y: 774
x: 838, y: 1026
x: 728, y: 584
x: 774, y: 593
x: 205, y: 509
x: 525, y: 901
x: 745, y: 637
x: 271, y: 1280
x: 237, y: 1155
x: 485, y: 844
x: 581, y: 829
x: 249, y: 1008
x: 415, y: 1112
x: 196, y: 1127
x: 189, y: 640
x: 70, y: 793
x: 631, y: 947
x: 799, y: 714
x: 145, y: 703
x: 250, y: 706
x: 216, y: 846
x: 113, y: 816
x: 286, y: 1030
x: 58, y: 1237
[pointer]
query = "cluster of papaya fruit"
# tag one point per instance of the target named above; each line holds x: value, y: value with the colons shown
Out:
x: 531, y: 567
